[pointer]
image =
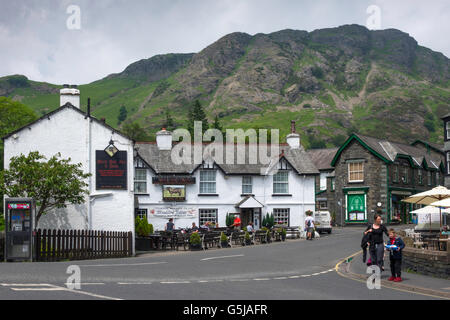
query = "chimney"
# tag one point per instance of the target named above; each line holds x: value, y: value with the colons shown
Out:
x: 293, y: 139
x: 164, y: 139
x: 71, y: 95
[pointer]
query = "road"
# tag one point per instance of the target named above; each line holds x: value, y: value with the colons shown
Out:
x: 296, y: 269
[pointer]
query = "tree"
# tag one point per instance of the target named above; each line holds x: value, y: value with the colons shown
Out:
x: 168, y: 123
x: 196, y: 113
x: 53, y: 184
x: 216, y: 124
x: 134, y: 131
x: 122, y: 114
x: 13, y: 115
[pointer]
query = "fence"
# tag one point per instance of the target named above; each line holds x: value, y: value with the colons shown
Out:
x: 57, y: 245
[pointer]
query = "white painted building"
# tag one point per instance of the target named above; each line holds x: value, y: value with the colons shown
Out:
x: 82, y: 138
x: 209, y: 191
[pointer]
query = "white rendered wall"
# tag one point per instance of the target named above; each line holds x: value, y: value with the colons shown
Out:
x: 229, y: 190
x: 67, y: 132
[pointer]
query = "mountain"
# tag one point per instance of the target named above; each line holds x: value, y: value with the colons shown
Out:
x: 332, y: 81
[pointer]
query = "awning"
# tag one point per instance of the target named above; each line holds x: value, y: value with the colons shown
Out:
x: 249, y: 202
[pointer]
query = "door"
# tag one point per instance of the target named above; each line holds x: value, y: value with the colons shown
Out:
x: 257, y: 219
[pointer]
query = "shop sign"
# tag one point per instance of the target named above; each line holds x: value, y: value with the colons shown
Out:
x: 111, y: 171
x: 174, y: 212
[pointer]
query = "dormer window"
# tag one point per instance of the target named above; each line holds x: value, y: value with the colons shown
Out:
x: 208, y: 181
x: 247, y: 187
x: 447, y: 130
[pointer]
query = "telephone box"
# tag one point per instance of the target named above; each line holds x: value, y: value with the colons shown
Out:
x: 19, y: 223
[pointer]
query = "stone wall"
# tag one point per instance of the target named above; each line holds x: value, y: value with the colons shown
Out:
x: 427, y: 262
x: 374, y: 178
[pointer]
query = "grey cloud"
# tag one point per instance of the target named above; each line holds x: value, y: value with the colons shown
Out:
x: 115, y: 33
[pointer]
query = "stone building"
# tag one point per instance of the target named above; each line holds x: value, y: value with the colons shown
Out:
x: 373, y: 175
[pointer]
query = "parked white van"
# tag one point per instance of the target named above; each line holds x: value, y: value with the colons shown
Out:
x: 322, y: 221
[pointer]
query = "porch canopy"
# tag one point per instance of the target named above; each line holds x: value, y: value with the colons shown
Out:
x: 249, y: 202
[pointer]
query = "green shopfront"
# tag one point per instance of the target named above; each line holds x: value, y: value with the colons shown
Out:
x: 356, y: 205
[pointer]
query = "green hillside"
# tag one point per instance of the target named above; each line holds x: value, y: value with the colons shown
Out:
x: 331, y: 81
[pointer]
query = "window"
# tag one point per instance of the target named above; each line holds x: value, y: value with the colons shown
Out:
x: 448, y: 162
x: 437, y: 178
x: 323, y: 205
x: 141, y: 213
x: 208, y: 181
x: 281, y: 182
x: 281, y: 216
x: 246, y: 185
x: 396, y: 174
x: 429, y: 177
x: 356, y: 172
x: 419, y: 176
x: 447, y: 129
x: 405, y: 175
x: 333, y: 184
x: 140, y: 181
x: 207, y: 215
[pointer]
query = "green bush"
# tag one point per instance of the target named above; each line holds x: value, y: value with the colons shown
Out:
x: 229, y: 219
x: 195, y: 239
x: 2, y: 222
x: 283, y: 231
x: 143, y: 228
x: 223, y: 237
x: 247, y: 235
x: 268, y: 221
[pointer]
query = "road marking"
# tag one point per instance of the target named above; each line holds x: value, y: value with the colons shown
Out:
x: 222, y: 257
x: 51, y: 287
x: 122, y: 265
x: 133, y: 283
x: 294, y: 277
x: 280, y: 278
x: 261, y: 279
x: 174, y: 282
x: 87, y: 284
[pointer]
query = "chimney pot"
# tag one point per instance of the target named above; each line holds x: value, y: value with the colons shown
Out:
x: 292, y: 126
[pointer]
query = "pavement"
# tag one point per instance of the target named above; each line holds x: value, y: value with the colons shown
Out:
x: 291, y: 270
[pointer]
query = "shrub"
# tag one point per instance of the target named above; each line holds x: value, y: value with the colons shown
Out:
x: 317, y: 72
x: 283, y: 231
x: 142, y: 227
x: 229, y: 219
x: 247, y: 235
x: 223, y: 237
x: 195, y: 239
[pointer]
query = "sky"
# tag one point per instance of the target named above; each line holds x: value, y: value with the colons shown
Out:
x: 80, y: 41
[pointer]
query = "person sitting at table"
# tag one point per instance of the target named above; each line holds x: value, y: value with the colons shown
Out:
x: 194, y: 227
x: 250, y: 228
x: 170, y: 226
x: 205, y: 225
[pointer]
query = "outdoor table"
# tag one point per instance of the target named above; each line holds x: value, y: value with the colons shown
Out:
x: 155, y: 241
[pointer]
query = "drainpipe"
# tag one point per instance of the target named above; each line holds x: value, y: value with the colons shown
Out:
x: 89, y: 147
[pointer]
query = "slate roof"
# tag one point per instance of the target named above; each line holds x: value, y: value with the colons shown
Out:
x: 68, y: 105
x: 389, y: 151
x: 160, y: 161
x: 322, y: 157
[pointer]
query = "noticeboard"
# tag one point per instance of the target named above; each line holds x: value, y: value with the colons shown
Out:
x: 111, y: 172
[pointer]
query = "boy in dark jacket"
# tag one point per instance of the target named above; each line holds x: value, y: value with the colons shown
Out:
x: 395, y: 246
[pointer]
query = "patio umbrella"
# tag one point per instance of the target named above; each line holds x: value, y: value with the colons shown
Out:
x: 428, y: 197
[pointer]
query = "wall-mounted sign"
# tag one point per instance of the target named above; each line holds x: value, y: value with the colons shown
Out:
x: 111, y: 172
x: 175, y: 213
x: 174, y: 192
x: 173, y: 180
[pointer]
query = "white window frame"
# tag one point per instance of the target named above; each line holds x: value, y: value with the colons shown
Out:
x: 141, y: 213
x: 279, y: 182
x: 247, y: 182
x: 282, y: 214
x: 321, y: 202
x: 405, y: 175
x: 207, y: 215
x: 447, y: 129
x: 140, y: 181
x: 429, y: 179
x: 356, y: 172
x: 419, y: 176
x: 207, y: 182
x: 448, y: 162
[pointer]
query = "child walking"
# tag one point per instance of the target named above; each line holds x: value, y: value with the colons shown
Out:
x: 395, y: 246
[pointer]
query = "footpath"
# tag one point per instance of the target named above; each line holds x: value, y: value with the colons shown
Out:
x: 354, y: 268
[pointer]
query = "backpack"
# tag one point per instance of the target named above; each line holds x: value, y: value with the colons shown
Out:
x: 308, y: 223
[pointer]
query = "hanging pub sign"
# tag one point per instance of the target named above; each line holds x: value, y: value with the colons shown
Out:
x: 174, y: 192
x: 111, y: 169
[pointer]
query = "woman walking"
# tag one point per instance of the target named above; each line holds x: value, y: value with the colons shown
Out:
x: 376, y: 249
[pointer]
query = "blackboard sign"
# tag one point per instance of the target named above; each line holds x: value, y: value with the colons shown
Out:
x: 111, y: 172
